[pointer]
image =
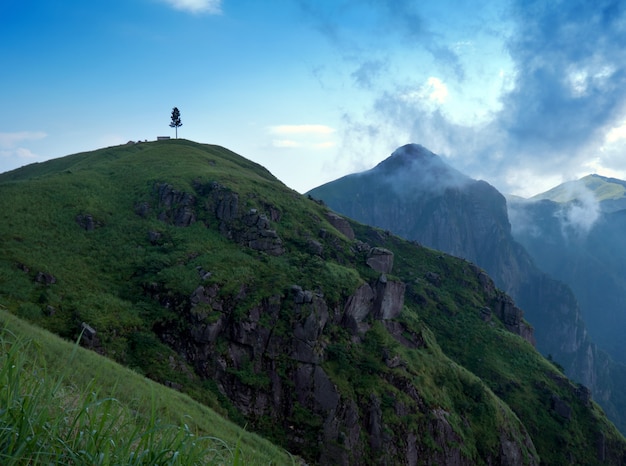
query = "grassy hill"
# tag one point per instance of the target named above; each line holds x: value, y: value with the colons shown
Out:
x: 610, y: 193
x: 65, y: 404
x: 341, y: 343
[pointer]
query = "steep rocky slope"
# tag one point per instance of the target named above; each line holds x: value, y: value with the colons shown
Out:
x: 575, y: 232
x: 342, y: 343
x: 416, y: 195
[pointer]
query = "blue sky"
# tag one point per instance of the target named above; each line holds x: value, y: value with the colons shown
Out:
x: 524, y: 94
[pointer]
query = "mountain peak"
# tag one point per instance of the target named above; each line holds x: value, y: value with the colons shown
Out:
x: 603, y: 189
x: 408, y: 155
x: 416, y: 166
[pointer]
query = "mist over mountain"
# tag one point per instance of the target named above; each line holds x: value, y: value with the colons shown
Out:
x: 416, y: 195
x: 340, y: 342
x: 575, y: 232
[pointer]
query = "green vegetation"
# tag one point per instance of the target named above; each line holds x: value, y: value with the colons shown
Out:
x: 91, y: 238
x: 602, y: 188
x: 62, y: 404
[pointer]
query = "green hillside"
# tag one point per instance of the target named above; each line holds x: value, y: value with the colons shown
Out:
x: 48, y: 384
x: 340, y: 343
x: 603, y: 188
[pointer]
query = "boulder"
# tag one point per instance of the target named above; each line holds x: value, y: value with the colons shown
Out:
x: 389, y: 298
x: 175, y: 207
x: 341, y: 224
x: 45, y: 278
x: 87, y: 222
x: 380, y: 259
x: 561, y: 408
x: 357, y: 308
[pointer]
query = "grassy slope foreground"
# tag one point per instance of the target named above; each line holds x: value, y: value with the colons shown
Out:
x: 62, y: 404
x: 341, y: 343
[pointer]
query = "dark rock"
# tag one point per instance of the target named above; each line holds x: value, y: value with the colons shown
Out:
x: 392, y: 361
x: 380, y: 259
x: 23, y: 267
x: 433, y: 278
x: 324, y: 391
x: 341, y: 224
x: 89, y: 337
x: 375, y: 424
x: 87, y: 222
x: 301, y: 296
x: 173, y: 385
x: 315, y: 247
x: 583, y: 394
x: 204, y: 275
x: 512, y: 317
x: 257, y: 234
x: 443, y: 435
x: 389, y: 298
x: 142, y: 209
x: 561, y: 408
x: 360, y: 246
x: 358, y: 306
x: 176, y: 207
x: 601, y: 445
x: 275, y: 214
x: 485, y: 314
x: 154, y: 237
x: 226, y: 202
x: 45, y: 278
x: 88, y: 332
x: 184, y: 216
x: 402, y: 336
x: 307, y: 331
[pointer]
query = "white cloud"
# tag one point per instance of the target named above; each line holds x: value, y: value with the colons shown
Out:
x: 616, y: 133
x: 316, y: 137
x: 302, y: 129
x: 10, y: 140
x: 581, y: 212
x: 24, y: 153
x: 19, y: 153
x: 212, y: 7
x: 285, y: 143
x: 325, y: 145
x: 434, y: 90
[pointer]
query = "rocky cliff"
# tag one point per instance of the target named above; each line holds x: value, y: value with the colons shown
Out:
x: 416, y: 195
x: 276, y: 361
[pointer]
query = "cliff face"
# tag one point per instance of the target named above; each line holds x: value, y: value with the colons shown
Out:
x: 283, y: 379
x: 417, y: 196
x: 280, y: 361
x: 579, y: 243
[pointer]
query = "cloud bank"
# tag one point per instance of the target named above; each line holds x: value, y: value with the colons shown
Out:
x: 10, y: 140
x: 561, y: 87
x: 12, y: 145
x: 310, y: 136
x: 212, y: 7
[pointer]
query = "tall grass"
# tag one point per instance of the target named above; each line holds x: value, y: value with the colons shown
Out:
x: 44, y: 419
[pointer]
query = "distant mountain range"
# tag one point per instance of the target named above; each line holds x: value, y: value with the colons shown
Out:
x: 416, y: 195
x: 576, y: 232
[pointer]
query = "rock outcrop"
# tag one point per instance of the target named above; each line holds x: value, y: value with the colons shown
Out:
x: 269, y: 372
x: 416, y: 195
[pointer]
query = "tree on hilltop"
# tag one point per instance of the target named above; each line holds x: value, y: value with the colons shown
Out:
x: 176, y: 120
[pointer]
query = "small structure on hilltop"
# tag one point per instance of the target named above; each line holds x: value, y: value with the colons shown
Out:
x: 162, y: 138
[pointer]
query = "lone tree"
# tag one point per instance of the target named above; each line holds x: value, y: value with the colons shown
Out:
x: 176, y: 120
